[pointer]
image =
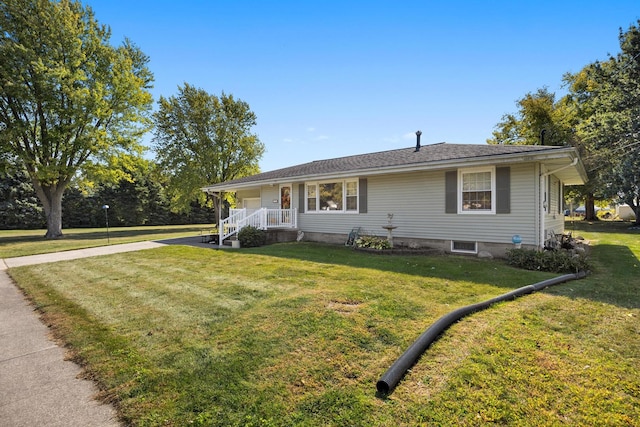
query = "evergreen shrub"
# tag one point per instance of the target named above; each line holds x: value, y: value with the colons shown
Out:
x: 559, y: 261
x: 251, y: 237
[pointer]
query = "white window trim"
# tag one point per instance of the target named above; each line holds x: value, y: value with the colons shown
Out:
x: 461, y: 172
x: 344, y: 197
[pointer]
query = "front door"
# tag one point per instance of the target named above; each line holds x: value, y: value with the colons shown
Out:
x: 285, y: 203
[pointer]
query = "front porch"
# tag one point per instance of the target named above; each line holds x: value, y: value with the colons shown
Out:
x: 263, y: 219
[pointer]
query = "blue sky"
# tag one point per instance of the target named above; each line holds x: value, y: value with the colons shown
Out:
x: 335, y: 78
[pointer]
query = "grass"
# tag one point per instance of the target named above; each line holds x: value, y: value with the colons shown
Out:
x: 298, y: 334
x: 14, y: 243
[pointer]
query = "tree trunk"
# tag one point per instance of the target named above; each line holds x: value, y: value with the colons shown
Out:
x: 51, y: 199
x: 635, y: 205
x: 54, y: 217
x: 216, y: 208
x: 589, y: 208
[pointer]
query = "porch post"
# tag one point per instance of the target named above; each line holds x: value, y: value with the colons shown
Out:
x: 541, y: 208
x: 219, y: 215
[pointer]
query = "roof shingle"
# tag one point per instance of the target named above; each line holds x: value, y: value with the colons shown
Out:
x: 385, y: 159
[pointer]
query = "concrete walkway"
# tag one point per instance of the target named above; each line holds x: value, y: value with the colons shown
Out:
x: 37, y: 386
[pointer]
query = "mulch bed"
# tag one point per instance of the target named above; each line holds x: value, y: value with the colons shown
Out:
x: 400, y: 251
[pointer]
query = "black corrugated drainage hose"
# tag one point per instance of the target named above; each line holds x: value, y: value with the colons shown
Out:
x: 390, y: 379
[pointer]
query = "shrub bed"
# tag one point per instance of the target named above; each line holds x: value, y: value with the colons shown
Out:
x: 559, y: 261
x: 372, y: 242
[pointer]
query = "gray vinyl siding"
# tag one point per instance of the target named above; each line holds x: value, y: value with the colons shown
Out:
x: 417, y: 201
x: 268, y: 195
x: 248, y: 194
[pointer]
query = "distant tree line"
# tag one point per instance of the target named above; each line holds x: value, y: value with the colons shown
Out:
x: 141, y: 201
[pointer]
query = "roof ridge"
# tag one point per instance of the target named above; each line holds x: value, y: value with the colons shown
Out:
x: 380, y: 152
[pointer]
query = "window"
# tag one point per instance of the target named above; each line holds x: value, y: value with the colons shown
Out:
x: 311, y: 197
x: 560, y: 196
x: 547, y: 195
x: 332, y: 196
x: 553, y: 198
x: 477, y: 190
x: 464, y: 247
x: 352, y: 196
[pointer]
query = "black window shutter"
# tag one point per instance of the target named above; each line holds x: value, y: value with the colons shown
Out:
x: 302, y: 198
x: 451, y: 192
x: 503, y: 190
x: 362, y: 195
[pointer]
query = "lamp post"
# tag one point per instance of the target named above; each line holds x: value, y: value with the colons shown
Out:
x: 106, y: 215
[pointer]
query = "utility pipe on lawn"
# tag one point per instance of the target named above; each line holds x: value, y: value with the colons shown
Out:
x: 394, y: 374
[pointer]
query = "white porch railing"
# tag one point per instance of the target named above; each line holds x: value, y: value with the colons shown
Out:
x: 229, y: 225
x: 261, y: 218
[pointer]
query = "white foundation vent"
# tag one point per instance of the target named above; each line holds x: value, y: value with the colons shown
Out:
x: 464, y: 247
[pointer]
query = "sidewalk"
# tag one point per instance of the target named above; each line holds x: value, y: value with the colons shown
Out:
x: 37, y: 386
x: 76, y: 254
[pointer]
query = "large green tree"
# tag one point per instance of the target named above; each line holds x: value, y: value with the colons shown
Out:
x: 67, y: 96
x: 540, y: 119
x: 606, y: 96
x: 202, y: 139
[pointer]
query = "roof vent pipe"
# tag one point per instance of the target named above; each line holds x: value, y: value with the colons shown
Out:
x: 418, y: 133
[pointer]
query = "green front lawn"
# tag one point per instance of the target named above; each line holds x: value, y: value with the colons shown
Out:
x: 298, y: 334
x: 14, y: 243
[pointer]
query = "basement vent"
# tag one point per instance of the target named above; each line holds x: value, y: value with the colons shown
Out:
x: 465, y: 247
